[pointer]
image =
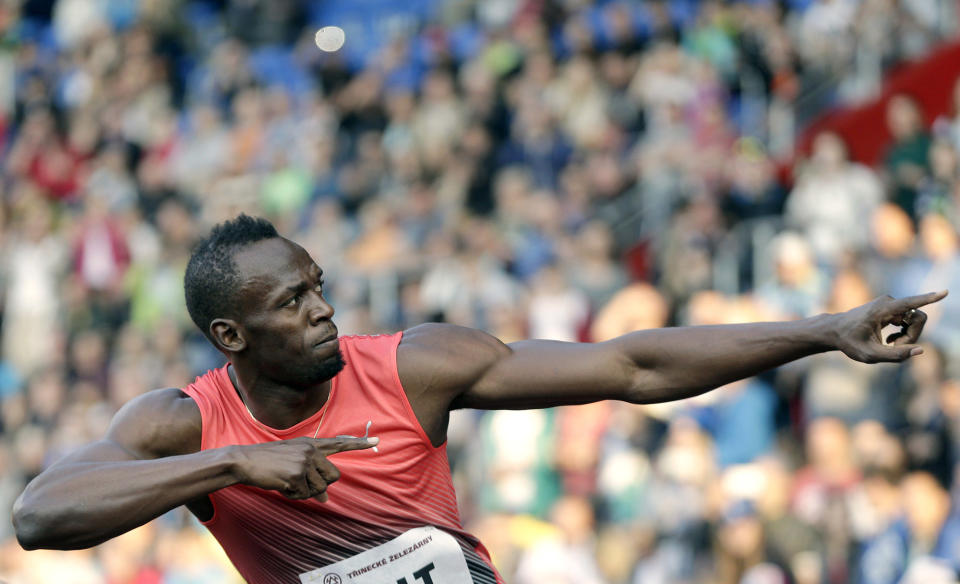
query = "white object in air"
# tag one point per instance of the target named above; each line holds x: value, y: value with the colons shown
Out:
x: 330, y: 38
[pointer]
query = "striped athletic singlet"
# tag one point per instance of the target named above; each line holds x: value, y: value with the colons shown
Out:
x: 380, y: 496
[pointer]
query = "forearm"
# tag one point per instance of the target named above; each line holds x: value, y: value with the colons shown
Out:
x: 81, y: 504
x: 676, y: 363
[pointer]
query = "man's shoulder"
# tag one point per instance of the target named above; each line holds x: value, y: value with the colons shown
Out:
x: 438, y: 336
x: 362, y: 339
x: 457, y: 354
x: 170, y: 401
x: 162, y: 422
x: 436, y: 363
x: 204, y: 382
x: 361, y: 348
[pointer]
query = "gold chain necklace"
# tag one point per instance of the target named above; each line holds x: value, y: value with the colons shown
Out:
x: 254, y: 418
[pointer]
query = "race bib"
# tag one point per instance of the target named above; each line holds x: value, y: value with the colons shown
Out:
x: 425, y: 555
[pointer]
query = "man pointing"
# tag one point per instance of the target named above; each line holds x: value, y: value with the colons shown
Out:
x: 271, y: 452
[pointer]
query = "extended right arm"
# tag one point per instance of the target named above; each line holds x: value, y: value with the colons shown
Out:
x: 149, y: 463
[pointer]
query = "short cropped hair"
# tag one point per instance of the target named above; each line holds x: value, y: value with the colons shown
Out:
x: 211, y: 280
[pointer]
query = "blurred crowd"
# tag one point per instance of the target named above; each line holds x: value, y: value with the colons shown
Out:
x: 562, y: 169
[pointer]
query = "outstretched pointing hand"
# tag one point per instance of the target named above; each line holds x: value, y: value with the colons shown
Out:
x: 858, y: 331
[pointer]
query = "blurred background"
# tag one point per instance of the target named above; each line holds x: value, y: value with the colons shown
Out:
x: 559, y: 169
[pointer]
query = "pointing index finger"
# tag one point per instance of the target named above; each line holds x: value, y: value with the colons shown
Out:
x: 905, y: 304
x: 344, y: 443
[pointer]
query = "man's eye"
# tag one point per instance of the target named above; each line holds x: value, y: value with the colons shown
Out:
x: 319, y: 286
x: 293, y: 301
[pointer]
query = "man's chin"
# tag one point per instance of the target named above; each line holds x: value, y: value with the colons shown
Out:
x: 329, y: 367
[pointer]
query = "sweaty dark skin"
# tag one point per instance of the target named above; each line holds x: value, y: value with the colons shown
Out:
x: 282, y: 331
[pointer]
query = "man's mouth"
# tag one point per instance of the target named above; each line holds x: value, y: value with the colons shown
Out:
x: 328, y: 340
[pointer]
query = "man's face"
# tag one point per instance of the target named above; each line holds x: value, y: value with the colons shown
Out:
x: 286, y: 322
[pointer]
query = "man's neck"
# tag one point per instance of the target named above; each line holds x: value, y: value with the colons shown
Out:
x: 277, y: 406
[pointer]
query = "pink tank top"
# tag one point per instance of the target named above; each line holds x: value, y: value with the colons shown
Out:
x: 380, y: 495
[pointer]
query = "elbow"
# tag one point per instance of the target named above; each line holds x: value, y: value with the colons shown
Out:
x: 27, y: 525
x: 33, y: 527
x: 40, y: 523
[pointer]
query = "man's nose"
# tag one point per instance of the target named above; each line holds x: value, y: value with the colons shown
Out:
x: 320, y: 310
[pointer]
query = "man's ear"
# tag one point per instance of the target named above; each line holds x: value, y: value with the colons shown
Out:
x: 227, y: 335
